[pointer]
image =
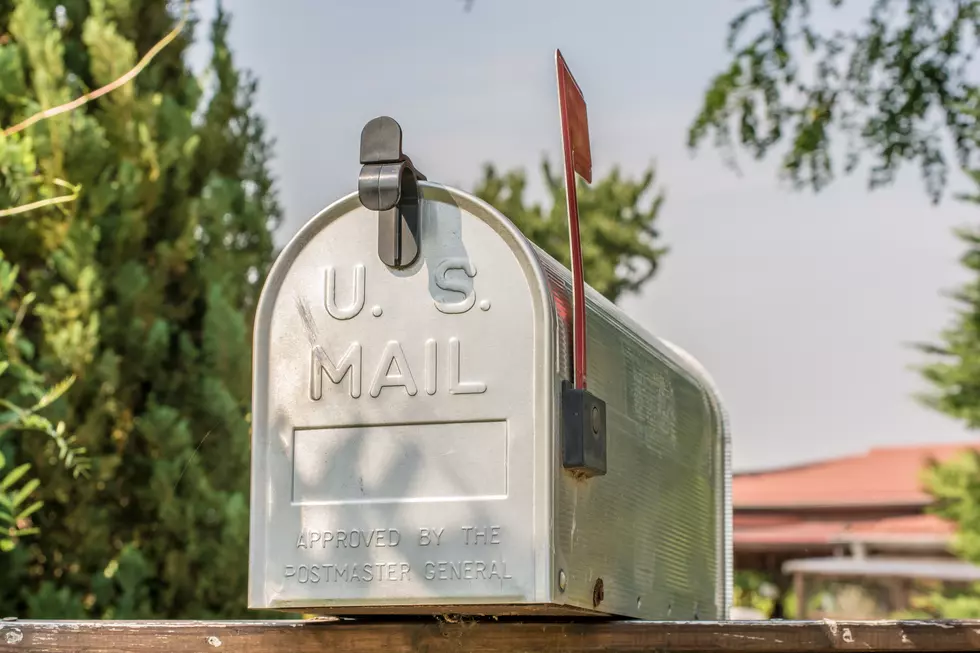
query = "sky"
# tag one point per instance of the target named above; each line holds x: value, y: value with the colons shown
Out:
x: 803, y: 307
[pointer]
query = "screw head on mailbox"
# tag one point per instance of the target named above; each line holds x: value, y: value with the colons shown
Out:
x: 412, y: 369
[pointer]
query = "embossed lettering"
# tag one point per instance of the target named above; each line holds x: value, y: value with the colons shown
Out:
x: 475, y: 535
x: 462, y: 286
x: 352, y: 539
x: 465, y: 570
x: 429, y: 535
x: 431, y: 366
x: 456, y: 387
x: 393, y: 371
x: 349, y: 362
x: 350, y: 573
x: 330, y: 294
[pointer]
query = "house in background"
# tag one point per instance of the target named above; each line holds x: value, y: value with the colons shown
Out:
x: 852, y: 531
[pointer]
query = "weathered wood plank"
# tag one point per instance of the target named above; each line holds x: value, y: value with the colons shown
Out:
x: 486, y: 637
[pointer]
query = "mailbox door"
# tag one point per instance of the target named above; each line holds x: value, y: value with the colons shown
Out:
x: 398, y: 414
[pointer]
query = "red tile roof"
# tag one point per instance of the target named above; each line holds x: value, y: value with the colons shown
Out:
x: 904, y: 526
x: 791, y: 534
x: 801, y: 532
x: 880, y: 477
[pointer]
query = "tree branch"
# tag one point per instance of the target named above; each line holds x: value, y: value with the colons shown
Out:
x: 108, y: 88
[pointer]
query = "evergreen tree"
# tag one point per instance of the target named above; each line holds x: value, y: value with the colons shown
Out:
x: 955, y: 378
x: 145, y: 288
x: 617, y: 223
x: 24, y: 396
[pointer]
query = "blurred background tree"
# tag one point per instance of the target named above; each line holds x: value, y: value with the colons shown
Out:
x: 144, y: 286
x: 897, y: 89
x: 617, y: 223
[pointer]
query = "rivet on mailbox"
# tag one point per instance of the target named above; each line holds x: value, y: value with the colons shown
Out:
x: 423, y: 440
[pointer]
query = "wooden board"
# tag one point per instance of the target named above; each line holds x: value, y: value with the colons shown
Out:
x: 429, y: 636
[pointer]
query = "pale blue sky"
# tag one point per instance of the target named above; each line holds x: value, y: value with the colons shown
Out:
x: 801, y: 306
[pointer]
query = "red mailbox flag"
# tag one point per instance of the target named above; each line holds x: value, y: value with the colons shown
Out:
x: 578, y: 158
x: 575, y: 121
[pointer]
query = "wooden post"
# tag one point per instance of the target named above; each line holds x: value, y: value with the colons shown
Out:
x: 486, y: 636
x: 799, y: 589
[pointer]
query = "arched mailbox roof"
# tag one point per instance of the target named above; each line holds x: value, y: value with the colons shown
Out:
x: 528, y: 255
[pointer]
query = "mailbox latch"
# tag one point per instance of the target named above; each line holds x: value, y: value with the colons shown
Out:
x: 388, y: 184
x: 583, y: 431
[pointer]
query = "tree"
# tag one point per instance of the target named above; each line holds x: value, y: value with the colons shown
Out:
x: 145, y: 284
x: 954, y: 375
x: 898, y: 89
x: 617, y: 223
x: 24, y: 395
x: 892, y: 88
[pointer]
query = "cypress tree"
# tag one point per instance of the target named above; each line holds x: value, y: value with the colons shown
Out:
x: 145, y: 285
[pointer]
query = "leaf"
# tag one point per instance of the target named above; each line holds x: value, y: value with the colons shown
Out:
x: 54, y: 393
x: 30, y: 510
x: 21, y: 495
x: 15, y: 475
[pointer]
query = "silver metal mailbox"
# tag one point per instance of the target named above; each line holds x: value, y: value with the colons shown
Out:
x: 407, y: 447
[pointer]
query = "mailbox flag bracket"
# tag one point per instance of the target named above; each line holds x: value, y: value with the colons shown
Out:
x: 388, y: 184
x: 583, y: 414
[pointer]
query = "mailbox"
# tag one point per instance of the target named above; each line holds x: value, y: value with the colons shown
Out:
x: 414, y: 447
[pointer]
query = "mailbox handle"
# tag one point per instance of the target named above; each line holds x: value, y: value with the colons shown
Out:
x: 388, y: 184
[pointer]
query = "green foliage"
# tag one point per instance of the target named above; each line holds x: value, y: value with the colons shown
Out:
x: 955, y: 370
x: 954, y: 373
x: 617, y: 224
x: 943, y: 603
x: 956, y: 486
x: 896, y: 88
x: 759, y: 590
x: 752, y: 590
x: 145, y: 288
x: 23, y: 395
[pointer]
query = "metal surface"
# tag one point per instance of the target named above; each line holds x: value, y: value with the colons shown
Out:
x: 406, y: 435
x: 657, y: 527
x: 425, y: 483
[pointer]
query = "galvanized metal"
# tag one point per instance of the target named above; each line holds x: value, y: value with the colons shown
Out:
x: 406, y: 435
